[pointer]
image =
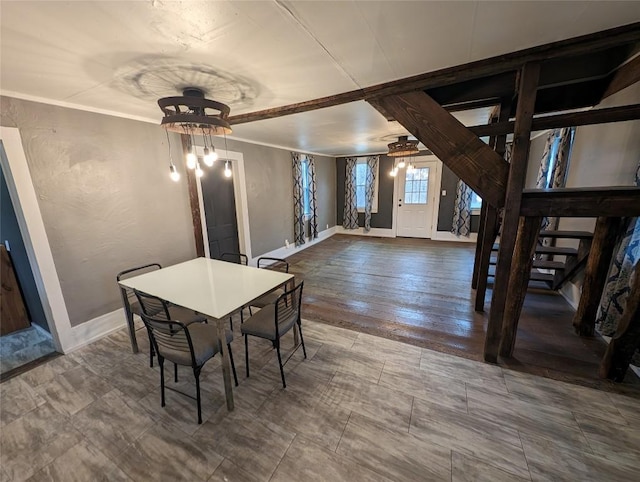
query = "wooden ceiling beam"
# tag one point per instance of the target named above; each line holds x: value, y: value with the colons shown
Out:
x: 466, y: 155
x: 584, y: 44
x: 589, y: 117
x: 628, y: 74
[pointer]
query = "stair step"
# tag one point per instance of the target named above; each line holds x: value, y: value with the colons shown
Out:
x: 549, y: 250
x: 539, y: 263
x: 534, y: 276
x: 566, y: 234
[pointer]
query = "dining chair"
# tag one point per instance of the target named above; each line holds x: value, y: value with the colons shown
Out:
x: 274, y: 264
x: 237, y: 258
x: 187, y: 345
x: 129, y: 301
x: 153, y: 306
x: 273, y: 321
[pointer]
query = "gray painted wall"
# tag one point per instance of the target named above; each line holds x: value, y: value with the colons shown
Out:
x: 270, y: 194
x: 384, y: 217
x: 108, y: 203
x: 447, y: 202
x: 105, y: 196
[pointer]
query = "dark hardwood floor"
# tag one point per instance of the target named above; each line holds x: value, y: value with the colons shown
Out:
x: 419, y: 292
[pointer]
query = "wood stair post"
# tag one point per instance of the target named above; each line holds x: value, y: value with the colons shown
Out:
x: 488, y: 238
x: 528, y: 84
x: 603, y: 244
x: 526, y: 240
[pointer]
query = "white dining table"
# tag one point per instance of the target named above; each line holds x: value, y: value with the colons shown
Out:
x: 213, y: 288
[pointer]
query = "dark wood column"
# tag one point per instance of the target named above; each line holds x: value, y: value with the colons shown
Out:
x: 193, y: 201
x: 522, y: 262
x: 595, y: 276
x: 528, y: 83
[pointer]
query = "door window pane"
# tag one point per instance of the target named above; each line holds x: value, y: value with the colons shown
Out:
x: 416, y: 186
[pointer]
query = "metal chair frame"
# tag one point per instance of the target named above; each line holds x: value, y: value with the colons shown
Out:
x: 282, y: 304
x: 174, y: 327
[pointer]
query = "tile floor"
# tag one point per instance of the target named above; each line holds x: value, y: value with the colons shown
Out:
x: 359, y: 408
x: 21, y: 347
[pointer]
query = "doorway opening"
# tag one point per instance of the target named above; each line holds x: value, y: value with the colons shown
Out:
x: 416, y: 206
x: 25, y: 336
x: 223, y: 208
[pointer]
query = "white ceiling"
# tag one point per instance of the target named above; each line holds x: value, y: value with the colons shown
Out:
x: 121, y: 56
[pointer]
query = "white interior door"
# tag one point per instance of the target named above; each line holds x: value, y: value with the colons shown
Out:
x: 416, y: 200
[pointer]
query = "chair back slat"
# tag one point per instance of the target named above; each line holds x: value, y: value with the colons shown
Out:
x: 169, y: 337
x: 153, y: 306
x: 237, y: 258
x: 128, y: 296
x: 288, y: 307
x: 274, y: 264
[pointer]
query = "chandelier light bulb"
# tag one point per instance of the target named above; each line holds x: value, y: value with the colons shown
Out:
x: 410, y: 168
x: 174, y: 174
x: 214, y: 155
x: 192, y: 159
x: 401, y: 164
x: 199, y: 171
x: 393, y: 172
x: 227, y: 170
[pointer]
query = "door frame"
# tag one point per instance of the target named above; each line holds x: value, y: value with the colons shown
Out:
x: 25, y: 203
x: 437, y: 182
x: 240, y: 195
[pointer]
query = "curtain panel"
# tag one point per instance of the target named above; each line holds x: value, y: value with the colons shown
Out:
x: 618, y: 285
x: 554, y: 166
x: 350, y: 202
x: 372, y: 169
x: 313, y: 198
x: 462, y: 210
x: 298, y: 199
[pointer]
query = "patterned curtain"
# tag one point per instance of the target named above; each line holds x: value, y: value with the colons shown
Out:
x: 372, y: 169
x: 462, y: 210
x: 350, y: 202
x: 616, y: 291
x: 558, y: 161
x: 313, y: 201
x: 298, y: 199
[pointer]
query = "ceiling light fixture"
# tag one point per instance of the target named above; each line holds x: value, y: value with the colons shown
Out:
x: 192, y: 114
x: 402, y: 148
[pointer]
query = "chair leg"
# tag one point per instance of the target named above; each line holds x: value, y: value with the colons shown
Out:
x: 175, y: 372
x: 284, y: 384
x: 304, y: 350
x: 152, y: 353
x: 246, y: 353
x: 196, y: 373
x: 231, y: 323
x: 250, y: 312
x: 233, y: 365
x: 161, y: 363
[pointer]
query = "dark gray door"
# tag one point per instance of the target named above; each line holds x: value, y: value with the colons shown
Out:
x: 220, y: 211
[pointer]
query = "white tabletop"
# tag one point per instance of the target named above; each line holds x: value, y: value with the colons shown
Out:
x: 211, y: 287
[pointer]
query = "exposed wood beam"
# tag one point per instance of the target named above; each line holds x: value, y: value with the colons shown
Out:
x: 581, y: 202
x: 473, y: 70
x: 595, y: 116
x: 528, y: 85
x: 523, y: 252
x: 466, y: 155
x: 194, y: 201
x: 628, y: 74
x: 604, y: 241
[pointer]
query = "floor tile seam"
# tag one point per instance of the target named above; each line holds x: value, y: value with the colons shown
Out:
x: 584, y: 435
x: 491, y: 464
x: 282, y: 457
x: 524, y: 452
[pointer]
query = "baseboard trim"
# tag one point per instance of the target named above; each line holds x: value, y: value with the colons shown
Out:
x: 97, y: 328
x: 287, y: 251
x: 571, y: 293
x: 449, y: 236
x: 377, y: 232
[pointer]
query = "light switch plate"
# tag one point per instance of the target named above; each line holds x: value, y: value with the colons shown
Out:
x: 444, y: 192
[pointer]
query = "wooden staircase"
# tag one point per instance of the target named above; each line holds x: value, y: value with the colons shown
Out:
x: 575, y: 259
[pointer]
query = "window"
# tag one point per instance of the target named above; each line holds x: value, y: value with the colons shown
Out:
x: 416, y: 186
x: 306, y: 192
x: 361, y: 187
x: 476, y: 202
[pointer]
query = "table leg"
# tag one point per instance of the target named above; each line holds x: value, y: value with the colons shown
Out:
x: 226, y: 363
x: 132, y: 330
